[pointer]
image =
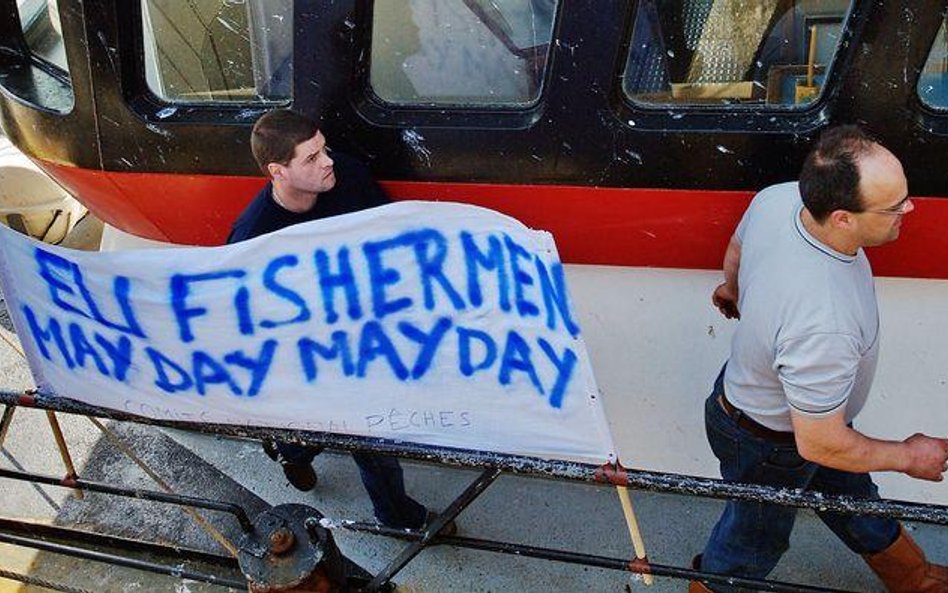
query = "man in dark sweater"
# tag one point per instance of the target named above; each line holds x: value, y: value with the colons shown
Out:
x: 307, y: 183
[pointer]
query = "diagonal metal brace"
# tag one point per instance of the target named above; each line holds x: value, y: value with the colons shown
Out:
x: 477, y: 487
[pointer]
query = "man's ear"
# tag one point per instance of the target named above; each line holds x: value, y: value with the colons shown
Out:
x: 275, y: 170
x: 842, y: 219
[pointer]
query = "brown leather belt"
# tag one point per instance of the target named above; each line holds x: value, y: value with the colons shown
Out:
x: 753, y: 427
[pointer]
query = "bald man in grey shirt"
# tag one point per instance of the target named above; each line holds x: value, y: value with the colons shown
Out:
x: 802, y: 362
x: 809, y: 335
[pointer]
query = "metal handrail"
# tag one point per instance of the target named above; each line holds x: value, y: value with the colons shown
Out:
x: 190, y: 501
x: 650, y: 481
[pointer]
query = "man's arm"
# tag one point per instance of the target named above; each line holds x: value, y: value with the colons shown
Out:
x: 828, y: 441
x: 725, y: 295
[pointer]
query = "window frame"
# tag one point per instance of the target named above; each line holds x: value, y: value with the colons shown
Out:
x: 773, y: 117
x: 933, y: 117
x: 53, y: 73
x: 155, y: 107
x: 382, y: 112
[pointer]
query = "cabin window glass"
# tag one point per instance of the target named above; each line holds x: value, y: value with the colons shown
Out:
x: 460, y: 52
x: 219, y: 50
x: 933, y: 82
x: 45, y: 82
x: 40, y: 22
x: 732, y: 52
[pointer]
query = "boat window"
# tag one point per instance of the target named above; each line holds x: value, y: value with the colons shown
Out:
x: 933, y: 83
x: 460, y: 52
x: 219, y: 50
x: 47, y: 82
x: 732, y: 52
x: 41, y: 28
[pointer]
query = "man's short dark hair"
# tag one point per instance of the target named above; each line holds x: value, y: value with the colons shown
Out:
x: 276, y: 134
x: 830, y: 177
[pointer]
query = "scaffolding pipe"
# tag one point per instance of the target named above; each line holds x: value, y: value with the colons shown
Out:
x: 178, y: 499
x: 153, y: 567
x: 635, y: 565
x: 99, y: 541
x: 530, y: 466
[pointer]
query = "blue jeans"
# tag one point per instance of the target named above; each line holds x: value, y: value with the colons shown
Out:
x: 750, y: 538
x: 383, y: 480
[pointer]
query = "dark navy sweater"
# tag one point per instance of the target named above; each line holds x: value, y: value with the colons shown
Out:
x: 354, y: 190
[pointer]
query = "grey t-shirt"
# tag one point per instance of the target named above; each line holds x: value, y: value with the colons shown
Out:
x: 808, y: 334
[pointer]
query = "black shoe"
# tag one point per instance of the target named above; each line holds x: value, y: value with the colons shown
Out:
x: 301, y: 476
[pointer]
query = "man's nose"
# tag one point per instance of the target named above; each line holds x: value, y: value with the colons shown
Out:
x: 909, y: 206
x: 327, y: 161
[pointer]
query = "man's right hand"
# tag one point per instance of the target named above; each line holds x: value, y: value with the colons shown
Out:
x: 928, y: 457
x: 725, y: 299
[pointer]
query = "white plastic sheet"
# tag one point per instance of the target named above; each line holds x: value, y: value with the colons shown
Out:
x: 432, y: 323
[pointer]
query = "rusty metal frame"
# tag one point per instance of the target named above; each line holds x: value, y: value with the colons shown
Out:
x: 470, y: 494
x: 179, y: 499
x: 517, y: 464
x: 492, y: 465
x: 51, y: 539
x: 634, y: 566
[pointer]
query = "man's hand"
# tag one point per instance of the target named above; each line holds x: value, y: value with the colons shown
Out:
x: 928, y: 457
x: 725, y: 299
x: 725, y: 295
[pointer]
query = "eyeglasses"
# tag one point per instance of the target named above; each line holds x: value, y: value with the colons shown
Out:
x: 900, y: 208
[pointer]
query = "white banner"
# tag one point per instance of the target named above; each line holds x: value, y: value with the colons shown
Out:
x: 456, y: 332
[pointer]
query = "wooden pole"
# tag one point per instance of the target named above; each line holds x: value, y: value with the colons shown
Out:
x: 63, y: 449
x: 53, y: 424
x: 811, y: 58
x: 638, y: 543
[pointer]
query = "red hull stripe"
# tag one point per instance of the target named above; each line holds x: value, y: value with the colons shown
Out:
x: 663, y: 228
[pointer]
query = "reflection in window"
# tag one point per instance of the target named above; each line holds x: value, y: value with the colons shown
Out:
x: 712, y: 52
x: 933, y: 83
x: 460, y: 52
x: 40, y: 22
x: 219, y: 50
x: 46, y: 81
